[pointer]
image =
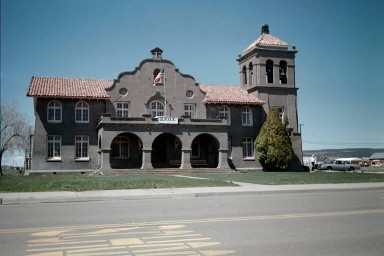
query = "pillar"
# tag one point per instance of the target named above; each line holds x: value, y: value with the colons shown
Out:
x: 186, y: 159
x: 223, y: 159
x: 147, y: 159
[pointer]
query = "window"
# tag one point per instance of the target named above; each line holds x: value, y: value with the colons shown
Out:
x: 122, y: 109
x: 156, y: 108
x: 54, y: 146
x: 244, y: 73
x: 54, y: 111
x: 246, y: 116
x: 251, y: 82
x: 280, y: 111
x: 120, y: 147
x: 248, y: 147
x: 224, y: 112
x: 81, y: 147
x: 269, y: 71
x: 189, y: 110
x: 283, y: 72
x: 82, y: 112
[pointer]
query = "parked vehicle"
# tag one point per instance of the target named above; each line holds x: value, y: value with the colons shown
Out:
x: 338, y: 165
x: 318, y: 165
x: 376, y: 164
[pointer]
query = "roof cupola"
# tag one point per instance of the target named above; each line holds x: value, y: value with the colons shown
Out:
x: 265, y: 29
x: 156, y: 53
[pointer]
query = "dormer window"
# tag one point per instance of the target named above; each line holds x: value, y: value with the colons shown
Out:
x: 283, y: 72
x: 269, y: 71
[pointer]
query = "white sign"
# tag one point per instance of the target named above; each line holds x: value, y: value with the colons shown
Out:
x: 167, y: 120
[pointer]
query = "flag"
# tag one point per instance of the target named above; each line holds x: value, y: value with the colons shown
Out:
x: 159, y: 78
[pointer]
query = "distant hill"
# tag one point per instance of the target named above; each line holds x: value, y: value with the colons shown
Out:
x: 345, y: 152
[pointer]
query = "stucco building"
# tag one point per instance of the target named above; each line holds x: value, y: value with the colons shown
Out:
x: 157, y: 117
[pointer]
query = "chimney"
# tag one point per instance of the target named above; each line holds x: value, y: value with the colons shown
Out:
x: 265, y: 29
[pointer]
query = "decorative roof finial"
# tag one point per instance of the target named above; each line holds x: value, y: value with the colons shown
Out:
x: 265, y: 29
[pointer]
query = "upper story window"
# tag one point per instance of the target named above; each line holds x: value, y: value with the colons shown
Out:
x: 244, y: 74
x: 225, y: 112
x: 156, y: 108
x: 54, y: 147
x: 246, y: 116
x: 54, y: 111
x: 251, y: 78
x: 190, y: 110
x: 269, y: 71
x: 122, y: 109
x: 283, y: 72
x: 82, y: 112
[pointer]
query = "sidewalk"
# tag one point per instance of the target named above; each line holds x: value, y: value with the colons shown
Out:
x: 102, y: 195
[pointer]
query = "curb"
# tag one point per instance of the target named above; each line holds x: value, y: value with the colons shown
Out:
x: 141, y: 194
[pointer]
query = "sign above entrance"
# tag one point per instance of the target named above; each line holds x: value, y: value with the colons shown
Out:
x: 167, y: 120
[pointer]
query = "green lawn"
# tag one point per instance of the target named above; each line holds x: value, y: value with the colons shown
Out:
x: 82, y: 182
x: 281, y: 178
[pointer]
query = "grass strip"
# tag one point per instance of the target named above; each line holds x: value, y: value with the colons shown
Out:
x: 83, y: 182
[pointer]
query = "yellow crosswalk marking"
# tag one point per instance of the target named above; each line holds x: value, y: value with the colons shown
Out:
x: 126, y: 241
x: 216, y: 253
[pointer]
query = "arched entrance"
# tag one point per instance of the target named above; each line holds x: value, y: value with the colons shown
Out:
x: 205, y: 151
x: 126, y: 151
x: 166, y: 151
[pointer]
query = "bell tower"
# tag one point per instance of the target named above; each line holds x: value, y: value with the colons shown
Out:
x: 267, y: 71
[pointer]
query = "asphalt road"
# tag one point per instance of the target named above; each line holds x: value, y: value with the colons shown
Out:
x: 323, y: 223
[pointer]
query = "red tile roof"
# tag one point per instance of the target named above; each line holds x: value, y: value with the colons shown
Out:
x: 267, y: 40
x: 228, y: 94
x: 68, y: 87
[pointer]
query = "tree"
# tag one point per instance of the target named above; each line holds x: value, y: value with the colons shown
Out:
x: 14, y: 130
x: 273, y: 144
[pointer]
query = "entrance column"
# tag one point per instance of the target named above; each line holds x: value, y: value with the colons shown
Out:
x: 186, y: 159
x: 223, y: 159
x: 104, y: 159
x: 147, y: 160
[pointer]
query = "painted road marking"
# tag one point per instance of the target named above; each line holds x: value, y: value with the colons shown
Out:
x: 170, y: 222
x: 147, y: 238
x: 129, y: 226
x: 172, y: 239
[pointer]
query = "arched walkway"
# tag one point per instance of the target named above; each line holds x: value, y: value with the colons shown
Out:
x: 126, y: 151
x: 205, y: 151
x: 166, y: 151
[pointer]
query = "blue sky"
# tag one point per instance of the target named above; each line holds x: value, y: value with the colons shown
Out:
x: 339, y: 66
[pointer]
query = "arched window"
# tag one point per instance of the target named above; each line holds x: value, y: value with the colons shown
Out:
x: 54, y: 111
x: 269, y: 71
x: 82, y: 112
x: 251, y: 78
x: 120, y: 147
x: 244, y: 74
x: 156, y: 108
x: 246, y: 116
x: 283, y: 72
x: 225, y: 112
